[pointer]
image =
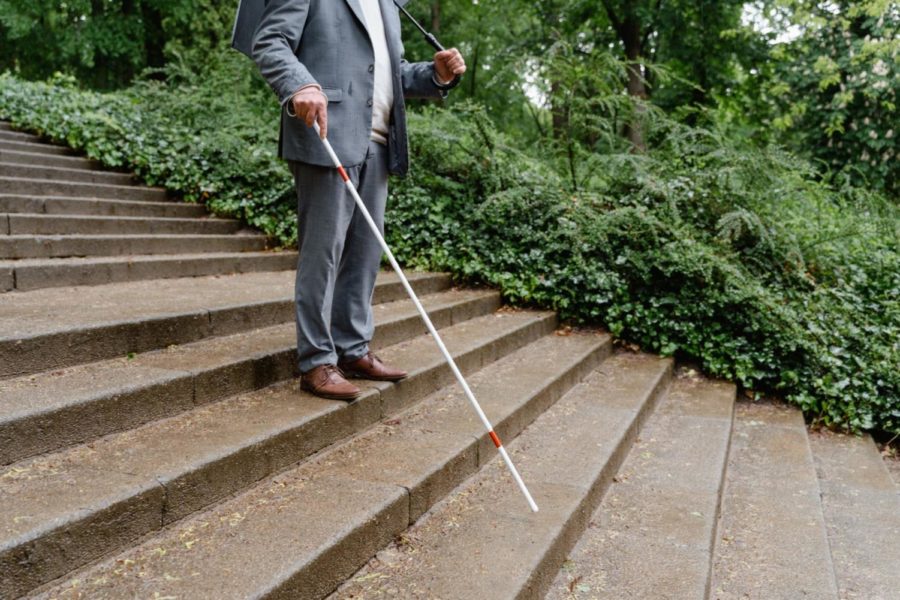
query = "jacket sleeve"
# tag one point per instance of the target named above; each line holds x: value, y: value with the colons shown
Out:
x: 418, y: 79
x: 275, y: 47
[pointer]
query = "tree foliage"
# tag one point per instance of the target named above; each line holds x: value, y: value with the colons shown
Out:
x: 831, y: 93
x: 107, y: 43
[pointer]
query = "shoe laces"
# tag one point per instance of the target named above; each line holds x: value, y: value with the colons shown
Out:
x: 330, y: 370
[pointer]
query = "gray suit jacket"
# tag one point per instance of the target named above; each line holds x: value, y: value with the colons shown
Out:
x: 299, y: 42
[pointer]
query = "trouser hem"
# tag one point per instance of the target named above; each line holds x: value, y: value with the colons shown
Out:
x: 309, y: 364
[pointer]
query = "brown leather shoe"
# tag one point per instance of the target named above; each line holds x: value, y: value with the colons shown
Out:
x: 327, y: 381
x: 371, y: 367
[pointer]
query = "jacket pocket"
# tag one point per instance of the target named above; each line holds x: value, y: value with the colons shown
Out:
x: 333, y: 94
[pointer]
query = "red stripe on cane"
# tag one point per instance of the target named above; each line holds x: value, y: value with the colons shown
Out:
x: 343, y: 173
x: 495, y: 438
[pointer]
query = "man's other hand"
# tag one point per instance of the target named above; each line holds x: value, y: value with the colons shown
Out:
x: 311, y: 105
x: 448, y: 64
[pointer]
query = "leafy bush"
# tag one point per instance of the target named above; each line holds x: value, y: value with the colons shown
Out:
x: 735, y: 257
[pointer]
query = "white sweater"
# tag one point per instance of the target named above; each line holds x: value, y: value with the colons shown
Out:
x: 383, y: 99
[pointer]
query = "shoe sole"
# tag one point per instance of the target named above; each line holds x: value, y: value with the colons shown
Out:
x: 345, y: 397
x: 369, y: 378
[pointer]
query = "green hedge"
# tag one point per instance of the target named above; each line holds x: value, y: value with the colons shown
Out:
x: 733, y: 257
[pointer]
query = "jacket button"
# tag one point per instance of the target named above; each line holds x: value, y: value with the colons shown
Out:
x: 369, y: 102
x: 371, y: 68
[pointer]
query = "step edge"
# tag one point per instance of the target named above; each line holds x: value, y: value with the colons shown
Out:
x: 14, y: 419
x: 140, y: 187
x: 98, y: 218
x: 541, y: 319
x: 586, y: 361
x: 567, y: 534
x: 99, y: 328
x: 715, y: 537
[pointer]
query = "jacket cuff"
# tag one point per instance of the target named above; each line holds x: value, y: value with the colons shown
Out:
x: 443, y: 87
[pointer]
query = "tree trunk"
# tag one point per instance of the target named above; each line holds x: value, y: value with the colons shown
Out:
x: 630, y: 33
x: 628, y: 27
x: 558, y: 112
x: 154, y: 36
x: 436, y: 17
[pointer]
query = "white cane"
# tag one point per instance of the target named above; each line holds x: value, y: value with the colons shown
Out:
x: 428, y: 324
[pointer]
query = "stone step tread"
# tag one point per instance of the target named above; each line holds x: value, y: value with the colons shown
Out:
x: 862, y: 514
x: 56, y: 310
x: 35, y: 147
x: 49, y: 160
x: 130, y: 236
x: 893, y: 465
x: 53, y: 410
x: 14, y: 247
x: 7, y: 181
x: 400, y: 461
x: 126, y: 219
x: 772, y: 542
x: 68, y: 173
x: 482, y: 541
x: 82, y: 261
x: 161, y: 451
x: 29, y: 274
x: 163, y: 312
x: 80, y: 189
x: 37, y: 158
x: 10, y: 134
x: 274, y: 430
x: 43, y: 224
x: 654, y: 529
x: 65, y: 205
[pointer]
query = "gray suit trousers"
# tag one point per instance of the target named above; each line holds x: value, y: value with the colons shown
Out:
x: 339, y: 259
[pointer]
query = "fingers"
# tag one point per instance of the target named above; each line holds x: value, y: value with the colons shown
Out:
x: 323, y: 123
x: 310, y: 115
x: 451, y: 61
x: 312, y: 107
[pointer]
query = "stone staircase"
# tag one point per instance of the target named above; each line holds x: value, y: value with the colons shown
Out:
x: 65, y: 222
x: 155, y: 445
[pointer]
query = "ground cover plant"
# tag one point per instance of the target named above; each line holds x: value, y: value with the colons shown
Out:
x: 743, y: 259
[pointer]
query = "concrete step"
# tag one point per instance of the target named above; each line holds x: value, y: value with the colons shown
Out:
x: 893, y: 466
x: 54, y: 328
x: 32, y: 274
x: 79, y: 189
x: 50, y: 411
x: 19, y: 136
x: 772, y: 541
x: 157, y: 475
x: 48, y: 160
x: 483, y: 541
x: 41, y: 224
x: 653, y: 535
x: 862, y: 514
x: 39, y: 148
x: 64, y: 246
x: 63, y: 174
x: 60, y: 205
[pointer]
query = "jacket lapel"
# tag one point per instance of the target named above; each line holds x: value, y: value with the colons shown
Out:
x: 356, y: 7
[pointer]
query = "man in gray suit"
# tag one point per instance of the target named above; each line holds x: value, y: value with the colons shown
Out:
x: 340, y: 61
